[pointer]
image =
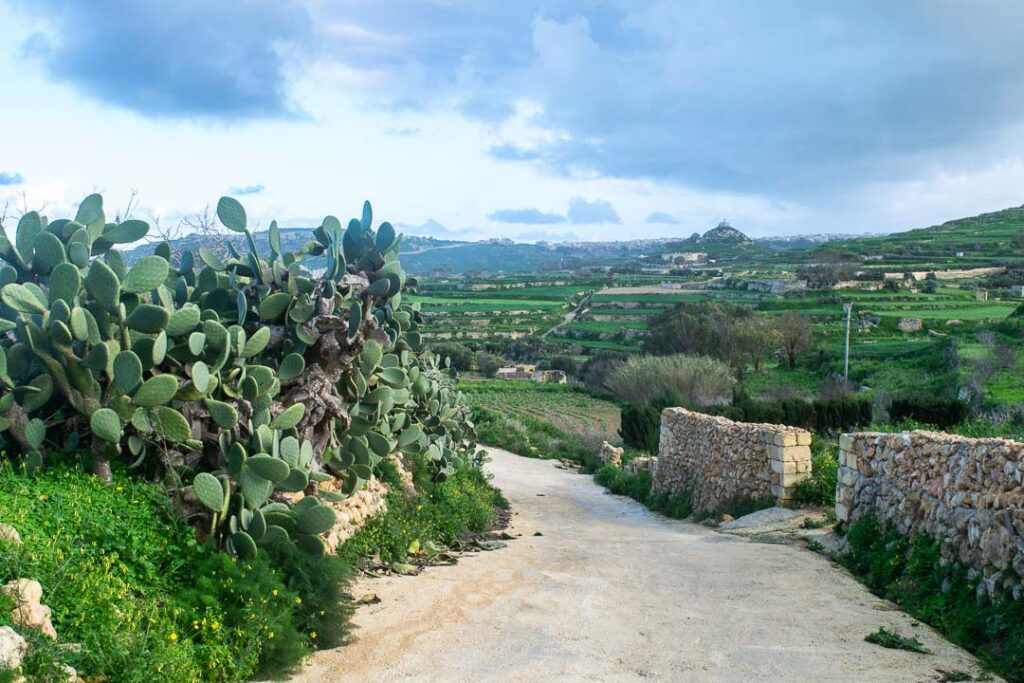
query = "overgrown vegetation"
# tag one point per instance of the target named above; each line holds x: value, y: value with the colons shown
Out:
x: 441, y: 512
x: 244, y: 384
x: 638, y: 487
x: 820, y: 487
x: 531, y: 437
x: 128, y: 581
x: 912, y: 573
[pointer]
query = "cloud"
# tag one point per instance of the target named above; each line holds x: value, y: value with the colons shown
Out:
x: 405, y: 132
x: 7, y: 178
x: 662, y: 217
x: 597, y: 211
x: 240, y: 190
x: 512, y: 152
x: 529, y: 216
x: 772, y: 99
x: 185, y: 59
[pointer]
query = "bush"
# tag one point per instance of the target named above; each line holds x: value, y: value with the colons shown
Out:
x: 638, y: 487
x: 912, y: 573
x: 641, y: 427
x: 691, y: 380
x: 821, y: 415
x: 820, y: 487
x: 942, y: 412
x: 128, y: 582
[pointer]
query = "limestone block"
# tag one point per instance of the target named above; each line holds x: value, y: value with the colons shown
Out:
x: 796, y: 453
x: 846, y: 442
x: 785, y: 439
x: 8, y: 534
x: 803, y: 438
x: 13, y: 648
x: 842, y: 512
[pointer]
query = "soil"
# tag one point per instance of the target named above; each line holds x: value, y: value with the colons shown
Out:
x: 596, y: 587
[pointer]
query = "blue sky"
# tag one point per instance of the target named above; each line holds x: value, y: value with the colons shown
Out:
x: 531, y: 120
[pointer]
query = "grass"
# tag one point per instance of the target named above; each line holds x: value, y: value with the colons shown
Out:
x: 441, y: 513
x: 638, y: 487
x: 128, y: 582
x: 530, y: 436
x: 895, y: 641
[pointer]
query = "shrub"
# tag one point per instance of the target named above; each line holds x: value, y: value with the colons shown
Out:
x: 638, y: 487
x: 692, y: 380
x: 821, y: 415
x: 820, y: 487
x: 942, y: 412
x: 641, y: 427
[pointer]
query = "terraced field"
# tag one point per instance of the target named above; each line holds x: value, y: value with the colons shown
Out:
x: 572, y: 411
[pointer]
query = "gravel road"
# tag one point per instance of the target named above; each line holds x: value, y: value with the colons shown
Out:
x: 613, y: 592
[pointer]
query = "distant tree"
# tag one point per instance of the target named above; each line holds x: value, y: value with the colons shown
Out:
x: 931, y: 283
x: 461, y: 356
x: 566, y: 364
x: 831, y: 266
x: 599, y: 366
x: 487, y: 363
x: 756, y: 339
x: 795, y: 336
x: 720, y: 330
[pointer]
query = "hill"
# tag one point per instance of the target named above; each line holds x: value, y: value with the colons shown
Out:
x: 986, y: 239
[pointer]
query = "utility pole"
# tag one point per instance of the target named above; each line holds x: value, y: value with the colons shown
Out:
x: 846, y: 367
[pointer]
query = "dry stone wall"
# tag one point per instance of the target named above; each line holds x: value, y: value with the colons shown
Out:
x: 967, y: 493
x: 721, y: 462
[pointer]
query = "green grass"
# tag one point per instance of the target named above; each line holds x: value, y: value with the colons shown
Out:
x: 442, y: 512
x: 128, y: 582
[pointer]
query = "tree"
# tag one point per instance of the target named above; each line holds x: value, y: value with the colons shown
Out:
x: 460, y: 355
x: 487, y: 363
x: 794, y: 335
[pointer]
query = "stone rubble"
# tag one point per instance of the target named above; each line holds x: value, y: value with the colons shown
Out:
x: 642, y: 464
x: 354, y: 512
x: 610, y: 455
x: 29, y: 611
x: 13, y: 648
x: 8, y: 534
x: 721, y: 462
x: 966, y: 493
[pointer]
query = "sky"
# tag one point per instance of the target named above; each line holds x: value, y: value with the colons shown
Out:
x: 531, y: 120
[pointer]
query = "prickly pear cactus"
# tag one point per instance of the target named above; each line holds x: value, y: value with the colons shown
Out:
x: 248, y: 376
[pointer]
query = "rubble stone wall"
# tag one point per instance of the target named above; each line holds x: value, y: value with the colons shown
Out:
x: 721, y: 462
x: 966, y: 493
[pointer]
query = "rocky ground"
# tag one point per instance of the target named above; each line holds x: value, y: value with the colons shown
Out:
x: 613, y: 592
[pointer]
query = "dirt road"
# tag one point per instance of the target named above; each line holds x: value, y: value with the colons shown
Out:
x: 613, y: 592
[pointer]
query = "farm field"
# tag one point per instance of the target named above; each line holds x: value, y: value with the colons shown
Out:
x: 572, y: 411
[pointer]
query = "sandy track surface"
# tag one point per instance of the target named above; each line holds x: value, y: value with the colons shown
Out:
x: 613, y: 592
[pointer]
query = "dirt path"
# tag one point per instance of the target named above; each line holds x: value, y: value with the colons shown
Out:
x: 613, y: 592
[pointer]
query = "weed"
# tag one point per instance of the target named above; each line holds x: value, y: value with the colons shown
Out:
x: 895, y: 641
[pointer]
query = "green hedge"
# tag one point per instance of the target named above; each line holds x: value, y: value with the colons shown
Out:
x: 942, y: 412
